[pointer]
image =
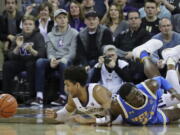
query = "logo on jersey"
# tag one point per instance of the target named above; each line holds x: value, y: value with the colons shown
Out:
x: 61, y: 43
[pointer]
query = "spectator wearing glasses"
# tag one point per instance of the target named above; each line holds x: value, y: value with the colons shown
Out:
x: 132, y: 37
x: 169, y: 37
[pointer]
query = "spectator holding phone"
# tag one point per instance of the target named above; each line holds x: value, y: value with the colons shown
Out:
x: 27, y: 48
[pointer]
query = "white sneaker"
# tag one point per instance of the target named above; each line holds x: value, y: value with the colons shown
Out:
x: 173, y: 53
x: 150, y: 46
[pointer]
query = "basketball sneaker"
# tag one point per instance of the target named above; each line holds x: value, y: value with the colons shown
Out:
x: 150, y: 46
x: 171, y: 55
x: 61, y: 101
x: 37, y: 102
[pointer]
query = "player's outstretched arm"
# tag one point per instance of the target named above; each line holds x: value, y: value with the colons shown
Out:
x: 103, y: 97
x: 62, y: 114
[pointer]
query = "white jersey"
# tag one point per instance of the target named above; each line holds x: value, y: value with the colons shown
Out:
x: 92, y: 107
x: 112, y: 81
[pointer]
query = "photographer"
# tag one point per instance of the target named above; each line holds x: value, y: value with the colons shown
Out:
x: 110, y: 71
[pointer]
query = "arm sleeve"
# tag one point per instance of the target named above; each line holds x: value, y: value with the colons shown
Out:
x: 163, y: 83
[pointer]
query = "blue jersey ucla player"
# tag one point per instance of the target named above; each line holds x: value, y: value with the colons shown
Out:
x: 139, y: 103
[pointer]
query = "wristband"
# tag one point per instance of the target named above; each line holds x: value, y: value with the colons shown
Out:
x: 103, y: 120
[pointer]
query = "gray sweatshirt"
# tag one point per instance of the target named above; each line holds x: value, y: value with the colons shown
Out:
x: 61, y: 44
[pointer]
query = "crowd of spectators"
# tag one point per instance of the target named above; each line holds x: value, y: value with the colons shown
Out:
x: 45, y: 36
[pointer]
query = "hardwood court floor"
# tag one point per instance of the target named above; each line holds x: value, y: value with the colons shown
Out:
x: 30, y: 121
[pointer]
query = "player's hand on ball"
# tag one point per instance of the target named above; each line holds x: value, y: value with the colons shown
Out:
x: 50, y: 113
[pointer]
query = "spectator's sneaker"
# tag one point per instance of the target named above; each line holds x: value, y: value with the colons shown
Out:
x: 171, y: 53
x: 37, y: 102
x: 59, y: 102
x: 150, y: 46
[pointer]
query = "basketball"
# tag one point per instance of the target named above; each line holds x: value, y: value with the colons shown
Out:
x: 8, y: 105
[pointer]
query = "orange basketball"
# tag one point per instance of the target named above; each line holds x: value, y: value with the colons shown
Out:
x: 8, y: 105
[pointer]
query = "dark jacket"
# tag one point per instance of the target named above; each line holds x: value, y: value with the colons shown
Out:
x: 39, y: 45
x: 122, y: 73
x: 128, y: 40
x: 4, y: 25
x: 49, y: 26
x: 134, y: 72
x: 89, y: 45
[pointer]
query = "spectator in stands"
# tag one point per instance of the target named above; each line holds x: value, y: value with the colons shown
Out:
x: 45, y: 21
x: 90, y: 40
x: 167, y: 35
x: 27, y: 48
x: 162, y: 10
x: 114, y: 20
x: 100, y: 7
x: 151, y: 22
x: 61, y: 47
x: 9, y: 22
x: 76, y: 16
x: 125, y: 7
x: 87, y: 5
x: 169, y: 38
x: 176, y: 22
x: 31, y: 6
x: 11, y: 19
x: 55, y: 4
x: 132, y: 37
x: 172, y: 5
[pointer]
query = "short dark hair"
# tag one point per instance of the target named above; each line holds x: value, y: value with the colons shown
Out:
x: 125, y: 90
x: 76, y: 74
x: 133, y: 11
x: 44, y: 5
x: 5, y: 1
x: 150, y: 1
x: 91, y: 13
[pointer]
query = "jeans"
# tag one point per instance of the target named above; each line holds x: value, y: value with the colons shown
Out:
x: 43, y: 67
x: 12, y: 68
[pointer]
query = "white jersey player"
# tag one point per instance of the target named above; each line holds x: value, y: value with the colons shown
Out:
x: 93, y: 100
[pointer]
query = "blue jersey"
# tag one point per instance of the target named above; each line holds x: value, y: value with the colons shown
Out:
x: 146, y: 114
